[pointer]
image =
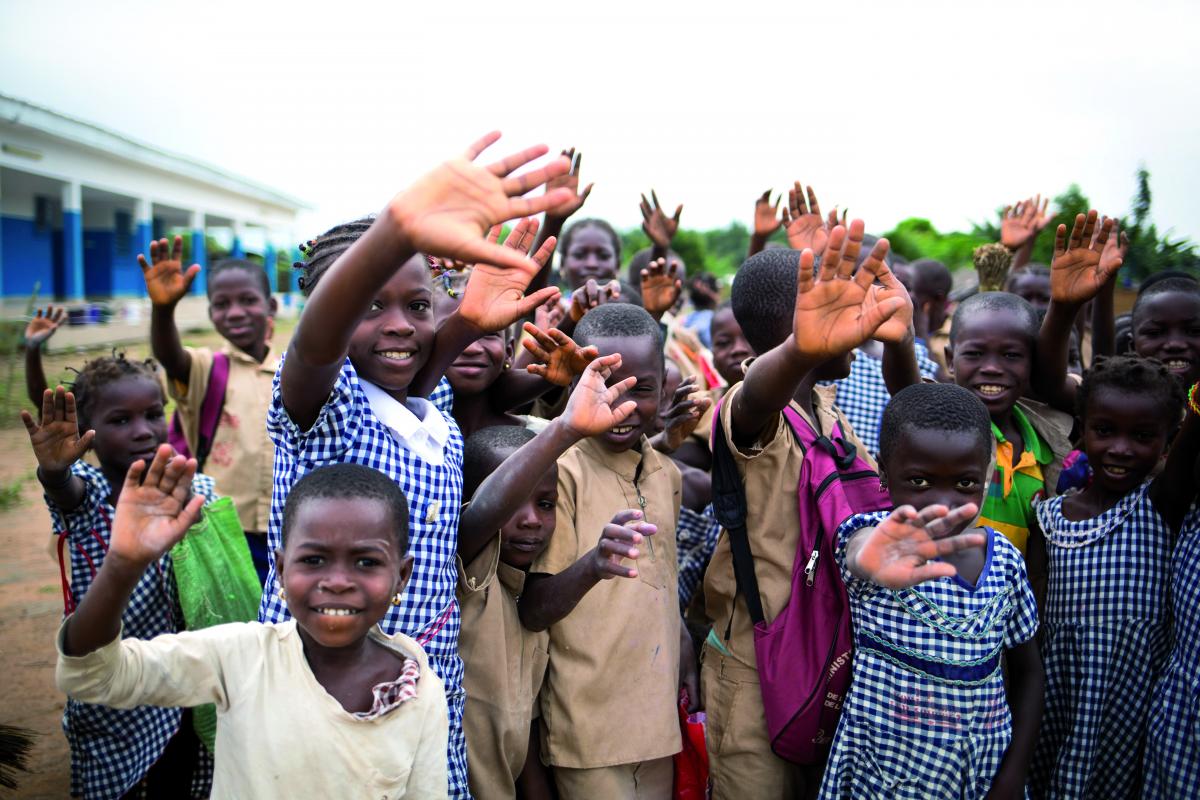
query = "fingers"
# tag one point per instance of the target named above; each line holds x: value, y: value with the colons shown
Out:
x: 154, y: 474
x: 479, y: 145
x: 1077, y: 232
x: 48, y: 404
x: 1089, y: 227
x: 173, y: 473
x: 833, y: 254
x: 191, y: 512
x: 529, y: 303
x: 177, y: 249
x: 612, y: 393
x: 932, y: 570
x: 963, y: 541
x: 622, y: 518
x: 875, y: 266
x: 530, y: 206
x: 813, y: 208
x: 804, y: 276
x: 1060, y: 241
x: 475, y: 251
x: 583, y: 196
x: 854, y: 241
x: 1103, y: 231
x: 84, y: 444
x: 30, y: 424
x: 133, y: 478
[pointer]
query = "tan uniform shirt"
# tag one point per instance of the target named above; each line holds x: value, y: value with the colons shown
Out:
x: 770, y: 472
x: 611, y: 689
x: 505, y: 665
x: 242, y: 455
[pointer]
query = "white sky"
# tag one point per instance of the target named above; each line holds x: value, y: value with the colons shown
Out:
x: 939, y: 109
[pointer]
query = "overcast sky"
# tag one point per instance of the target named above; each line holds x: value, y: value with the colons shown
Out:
x: 942, y: 110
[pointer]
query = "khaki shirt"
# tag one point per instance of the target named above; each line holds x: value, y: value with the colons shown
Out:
x: 770, y: 471
x: 242, y: 455
x: 505, y: 665
x: 611, y: 690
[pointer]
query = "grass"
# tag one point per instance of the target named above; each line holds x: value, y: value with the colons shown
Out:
x: 10, y: 493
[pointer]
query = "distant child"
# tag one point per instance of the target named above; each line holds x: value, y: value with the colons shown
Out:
x: 118, y: 406
x: 1166, y: 326
x: 324, y: 705
x: 365, y: 355
x: 623, y: 639
x: 511, y: 476
x: 38, y: 331
x: 937, y: 605
x: 1031, y: 284
x: 591, y: 250
x: 237, y: 453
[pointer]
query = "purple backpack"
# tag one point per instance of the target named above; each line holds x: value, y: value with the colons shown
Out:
x: 210, y: 413
x: 804, y: 654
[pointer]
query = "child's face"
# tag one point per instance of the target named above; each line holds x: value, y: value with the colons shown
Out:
x: 394, y: 340
x: 341, y: 568
x: 481, y: 363
x: 591, y: 255
x: 238, y: 309
x: 1124, y: 436
x: 528, y: 531
x: 930, y: 467
x: 642, y: 360
x: 729, y: 347
x: 992, y: 357
x: 1167, y: 327
x: 1034, y: 289
x: 128, y: 418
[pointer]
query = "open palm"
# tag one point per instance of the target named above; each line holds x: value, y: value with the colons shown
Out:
x: 591, y: 408
x: 661, y: 286
x: 166, y: 280
x: 154, y: 512
x: 560, y: 358
x: 43, y: 324
x: 656, y: 224
x: 494, y: 297
x: 766, y: 215
x: 802, y: 216
x: 1076, y: 273
x: 569, y: 182
x: 900, y: 551
x: 56, y: 441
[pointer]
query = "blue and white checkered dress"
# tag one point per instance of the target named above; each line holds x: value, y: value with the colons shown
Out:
x: 347, y: 431
x: 926, y: 715
x: 111, y: 749
x: 1106, y: 639
x: 1172, y: 764
x: 696, y: 534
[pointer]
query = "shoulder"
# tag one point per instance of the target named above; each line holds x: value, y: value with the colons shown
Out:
x: 1051, y: 425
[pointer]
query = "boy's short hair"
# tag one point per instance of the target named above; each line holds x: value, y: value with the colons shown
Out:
x: 764, y: 297
x: 942, y: 407
x: 1157, y: 285
x: 933, y: 276
x: 1133, y: 375
x: 997, y: 301
x: 348, y: 482
x: 256, y: 271
x: 613, y: 320
x: 482, y: 449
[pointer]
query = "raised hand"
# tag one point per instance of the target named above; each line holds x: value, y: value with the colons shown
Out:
x: 900, y: 552
x: 591, y: 408
x: 840, y: 309
x: 657, y: 225
x: 683, y: 415
x: 661, y: 286
x: 898, y: 326
x: 154, y: 512
x: 619, y: 541
x: 56, y: 442
x: 590, y: 295
x: 494, y: 297
x: 1115, y: 249
x: 1076, y: 273
x: 43, y: 324
x: 766, y: 215
x: 1019, y: 224
x: 166, y: 280
x: 446, y: 212
x: 569, y: 182
x: 805, y: 227
x: 549, y: 314
x: 561, y: 359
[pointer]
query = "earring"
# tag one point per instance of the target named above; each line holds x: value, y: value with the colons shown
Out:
x: 883, y: 484
x: 282, y: 594
x: 507, y: 364
x: 396, y: 599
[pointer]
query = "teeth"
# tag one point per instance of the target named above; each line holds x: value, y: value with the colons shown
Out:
x: 1117, y: 470
x: 991, y: 389
x: 396, y: 355
x: 337, y: 612
x: 1176, y: 363
x: 621, y: 429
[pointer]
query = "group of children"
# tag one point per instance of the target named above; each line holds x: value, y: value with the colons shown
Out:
x: 510, y: 535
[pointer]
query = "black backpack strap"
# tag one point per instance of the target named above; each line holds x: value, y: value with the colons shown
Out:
x: 729, y: 504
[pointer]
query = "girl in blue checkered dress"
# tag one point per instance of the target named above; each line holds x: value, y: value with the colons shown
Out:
x: 936, y: 604
x: 1107, y: 617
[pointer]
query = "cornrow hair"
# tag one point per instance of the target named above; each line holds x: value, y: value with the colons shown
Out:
x: 320, y: 253
x: 100, y: 372
x: 941, y: 407
x: 255, y: 271
x: 1133, y: 375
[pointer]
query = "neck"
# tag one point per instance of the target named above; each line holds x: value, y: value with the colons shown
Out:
x: 333, y: 660
x: 474, y: 412
x: 116, y: 479
x: 257, y: 352
x: 804, y: 394
x: 1098, y: 499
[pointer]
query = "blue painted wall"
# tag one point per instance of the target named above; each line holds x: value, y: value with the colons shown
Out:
x: 199, y: 255
x: 28, y: 257
x: 99, y: 250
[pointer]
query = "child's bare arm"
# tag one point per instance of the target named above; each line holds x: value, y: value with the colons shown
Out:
x: 1174, y: 489
x: 900, y: 551
x: 444, y: 213
x: 590, y: 411
x: 57, y: 445
x: 1104, y: 331
x: 898, y: 335
x: 658, y: 226
x: 549, y: 598
x: 557, y: 216
x: 766, y: 222
x: 1025, y: 684
x: 39, y: 330
x: 167, y: 282
x: 152, y: 515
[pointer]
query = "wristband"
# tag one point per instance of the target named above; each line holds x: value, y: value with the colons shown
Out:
x: 1192, y: 398
x: 55, y: 486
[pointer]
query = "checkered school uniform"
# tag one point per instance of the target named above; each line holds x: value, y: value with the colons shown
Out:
x: 696, y: 535
x: 863, y: 394
x: 1106, y: 639
x: 1172, y: 764
x: 111, y: 749
x: 347, y: 431
x: 927, y: 715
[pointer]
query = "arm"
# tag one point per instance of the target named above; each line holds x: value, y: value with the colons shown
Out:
x: 57, y: 445
x: 1173, y: 491
x: 167, y: 283
x: 1104, y: 333
x: 661, y: 285
x: 900, y: 552
x: 766, y: 222
x: 557, y: 215
x: 39, y: 330
x: 1019, y: 227
x: 1025, y: 684
x: 899, y: 363
x: 658, y: 226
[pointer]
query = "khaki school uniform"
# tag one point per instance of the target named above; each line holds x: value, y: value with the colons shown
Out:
x: 609, y: 700
x: 505, y: 665
x: 741, y: 762
x: 242, y: 455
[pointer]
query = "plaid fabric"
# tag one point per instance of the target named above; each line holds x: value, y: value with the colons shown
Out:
x: 926, y: 715
x: 1106, y: 639
x: 393, y: 694
x: 1172, y: 765
x: 695, y: 539
x: 111, y: 749
x: 347, y: 431
x: 1016, y: 487
x: 863, y: 394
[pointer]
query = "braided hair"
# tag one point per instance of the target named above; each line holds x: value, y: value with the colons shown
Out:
x: 100, y: 372
x: 1133, y: 375
x: 321, y: 252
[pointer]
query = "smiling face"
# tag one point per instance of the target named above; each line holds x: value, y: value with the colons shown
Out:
x: 394, y: 340
x: 1167, y: 327
x: 932, y: 467
x: 340, y: 568
x: 482, y: 362
x: 239, y: 310
x: 729, y: 346
x: 641, y: 359
x: 128, y: 418
x: 992, y: 357
x: 527, y: 532
x: 591, y: 255
x: 1124, y: 436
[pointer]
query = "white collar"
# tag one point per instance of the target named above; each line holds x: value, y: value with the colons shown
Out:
x: 416, y: 423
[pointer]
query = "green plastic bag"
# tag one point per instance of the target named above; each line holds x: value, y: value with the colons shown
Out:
x: 217, y: 584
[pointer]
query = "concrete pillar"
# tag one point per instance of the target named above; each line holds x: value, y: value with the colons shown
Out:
x: 199, y: 254
x: 238, y: 248
x: 143, y: 228
x: 2, y: 292
x: 270, y: 265
x: 72, y: 233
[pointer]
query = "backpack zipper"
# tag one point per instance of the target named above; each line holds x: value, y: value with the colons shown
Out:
x: 810, y: 568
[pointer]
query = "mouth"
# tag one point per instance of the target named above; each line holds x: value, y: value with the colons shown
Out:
x: 398, y: 356
x: 331, y: 611
x: 622, y: 430
x: 991, y: 389
x: 1116, y: 471
x: 525, y: 545
x: 1178, y: 364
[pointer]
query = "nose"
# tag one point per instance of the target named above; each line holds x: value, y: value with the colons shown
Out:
x: 527, y: 517
x: 396, y: 323
x: 1120, y: 447
x: 474, y: 348
x: 142, y: 429
x: 991, y: 366
x: 335, y: 581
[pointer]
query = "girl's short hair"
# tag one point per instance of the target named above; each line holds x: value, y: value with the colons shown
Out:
x: 348, y: 482
x: 100, y: 372
x: 591, y: 222
x: 1133, y: 375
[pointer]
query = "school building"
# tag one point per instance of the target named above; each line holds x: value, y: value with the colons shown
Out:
x: 78, y: 202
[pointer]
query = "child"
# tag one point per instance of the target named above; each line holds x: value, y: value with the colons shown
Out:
x: 511, y: 477
x: 599, y: 748
x: 1166, y: 326
x: 804, y: 330
x: 118, y: 404
x: 937, y: 604
x: 1107, y: 623
x: 41, y: 327
x: 591, y: 250
x: 1031, y: 284
x: 323, y: 705
x: 239, y: 456
x: 365, y: 354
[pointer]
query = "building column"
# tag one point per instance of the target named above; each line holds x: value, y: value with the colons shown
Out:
x: 143, y: 229
x: 2, y: 292
x: 199, y: 254
x: 269, y: 259
x: 238, y: 248
x: 72, y: 233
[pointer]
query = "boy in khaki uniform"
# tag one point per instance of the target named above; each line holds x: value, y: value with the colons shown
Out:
x: 625, y: 639
x: 805, y: 330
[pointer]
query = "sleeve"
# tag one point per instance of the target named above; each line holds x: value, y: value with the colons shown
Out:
x: 1023, y: 619
x: 188, y: 398
x: 442, y: 396
x: 925, y: 365
x: 846, y: 531
x: 696, y: 538
x: 79, y: 523
x: 773, y: 436
x: 479, y: 574
x: 336, y: 427
x: 429, y: 778
x: 563, y: 550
